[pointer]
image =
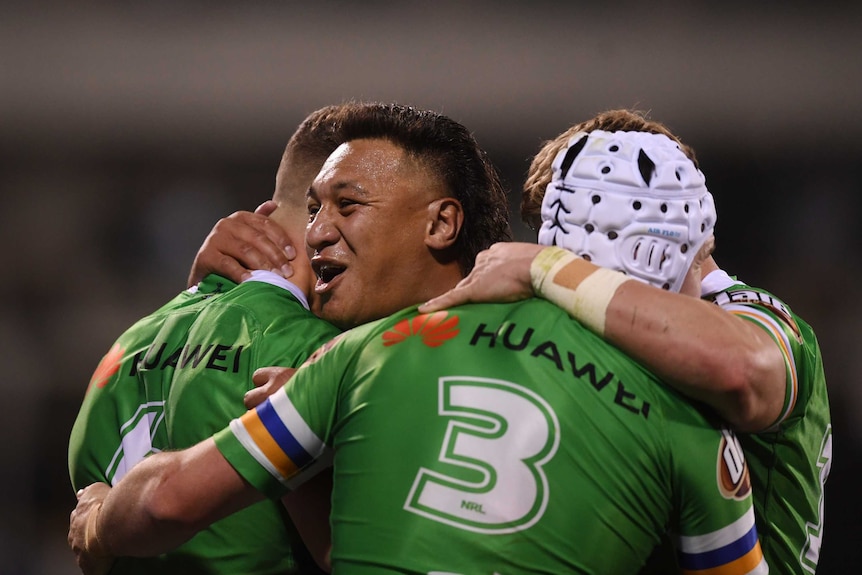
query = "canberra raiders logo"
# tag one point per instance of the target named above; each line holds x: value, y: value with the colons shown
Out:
x: 731, y: 469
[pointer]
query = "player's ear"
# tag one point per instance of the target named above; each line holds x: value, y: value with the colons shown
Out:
x: 695, y: 274
x: 445, y: 218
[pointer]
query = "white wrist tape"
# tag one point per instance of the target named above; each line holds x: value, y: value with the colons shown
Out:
x: 581, y: 288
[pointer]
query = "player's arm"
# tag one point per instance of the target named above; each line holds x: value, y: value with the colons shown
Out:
x: 161, y: 503
x: 310, y: 504
x: 708, y: 354
x: 87, y: 454
x: 309, y: 507
x: 713, y: 528
x: 241, y: 243
x: 95, y: 436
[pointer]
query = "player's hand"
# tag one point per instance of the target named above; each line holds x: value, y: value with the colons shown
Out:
x: 91, y: 558
x: 243, y: 242
x: 267, y: 380
x: 501, y: 274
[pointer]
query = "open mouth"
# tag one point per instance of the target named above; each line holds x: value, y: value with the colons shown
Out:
x: 326, y: 273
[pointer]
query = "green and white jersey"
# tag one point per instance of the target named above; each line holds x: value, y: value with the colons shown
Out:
x: 500, y: 439
x: 176, y: 377
x: 112, y: 430
x: 789, y: 462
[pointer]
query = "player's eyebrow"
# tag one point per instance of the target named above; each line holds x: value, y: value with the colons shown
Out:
x: 361, y: 190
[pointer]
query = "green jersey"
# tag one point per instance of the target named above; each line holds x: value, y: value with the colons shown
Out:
x: 500, y: 438
x: 789, y: 462
x: 176, y: 377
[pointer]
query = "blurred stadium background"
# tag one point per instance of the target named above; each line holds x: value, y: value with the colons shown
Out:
x: 127, y: 129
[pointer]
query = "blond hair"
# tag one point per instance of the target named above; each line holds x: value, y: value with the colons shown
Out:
x: 540, y: 172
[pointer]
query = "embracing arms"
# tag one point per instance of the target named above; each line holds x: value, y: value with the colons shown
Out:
x: 695, y: 346
x: 705, y: 352
x: 161, y: 503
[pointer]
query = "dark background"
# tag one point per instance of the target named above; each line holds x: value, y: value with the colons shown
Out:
x: 128, y: 129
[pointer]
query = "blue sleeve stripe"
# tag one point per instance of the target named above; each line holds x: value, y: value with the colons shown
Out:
x: 722, y: 555
x: 282, y: 435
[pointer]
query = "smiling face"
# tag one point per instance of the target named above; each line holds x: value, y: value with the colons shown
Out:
x: 371, y: 210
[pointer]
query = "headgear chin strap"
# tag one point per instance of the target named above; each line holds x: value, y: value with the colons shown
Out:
x: 629, y: 201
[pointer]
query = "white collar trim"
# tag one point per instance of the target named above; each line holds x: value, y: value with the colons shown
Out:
x: 272, y: 278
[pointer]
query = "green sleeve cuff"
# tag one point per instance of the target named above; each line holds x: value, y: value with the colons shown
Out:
x: 247, y: 466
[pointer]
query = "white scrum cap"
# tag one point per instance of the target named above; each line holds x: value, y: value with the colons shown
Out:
x: 631, y: 202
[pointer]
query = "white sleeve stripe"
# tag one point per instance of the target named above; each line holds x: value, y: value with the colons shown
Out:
x: 717, y: 539
x: 239, y: 431
x: 761, y: 569
x: 293, y: 421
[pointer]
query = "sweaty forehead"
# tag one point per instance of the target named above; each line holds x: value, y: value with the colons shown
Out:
x: 368, y: 164
x: 364, y: 158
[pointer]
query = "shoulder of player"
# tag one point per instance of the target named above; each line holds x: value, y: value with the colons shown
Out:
x: 265, y: 302
x: 739, y: 292
x: 739, y: 297
x: 445, y: 324
x: 213, y: 284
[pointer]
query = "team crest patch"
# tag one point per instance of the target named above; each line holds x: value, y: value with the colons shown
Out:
x: 109, y: 365
x: 435, y: 329
x: 733, y: 479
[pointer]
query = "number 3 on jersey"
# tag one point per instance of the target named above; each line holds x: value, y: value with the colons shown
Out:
x: 498, y: 438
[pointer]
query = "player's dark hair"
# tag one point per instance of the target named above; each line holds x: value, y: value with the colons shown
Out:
x: 449, y: 150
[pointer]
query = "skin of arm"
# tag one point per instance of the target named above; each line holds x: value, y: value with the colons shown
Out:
x: 703, y: 351
x: 167, y: 498
x: 161, y: 503
x: 309, y: 508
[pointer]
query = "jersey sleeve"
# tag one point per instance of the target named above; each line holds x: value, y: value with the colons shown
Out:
x: 775, y: 318
x: 112, y: 429
x: 95, y: 429
x: 714, y: 531
x: 284, y: 441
